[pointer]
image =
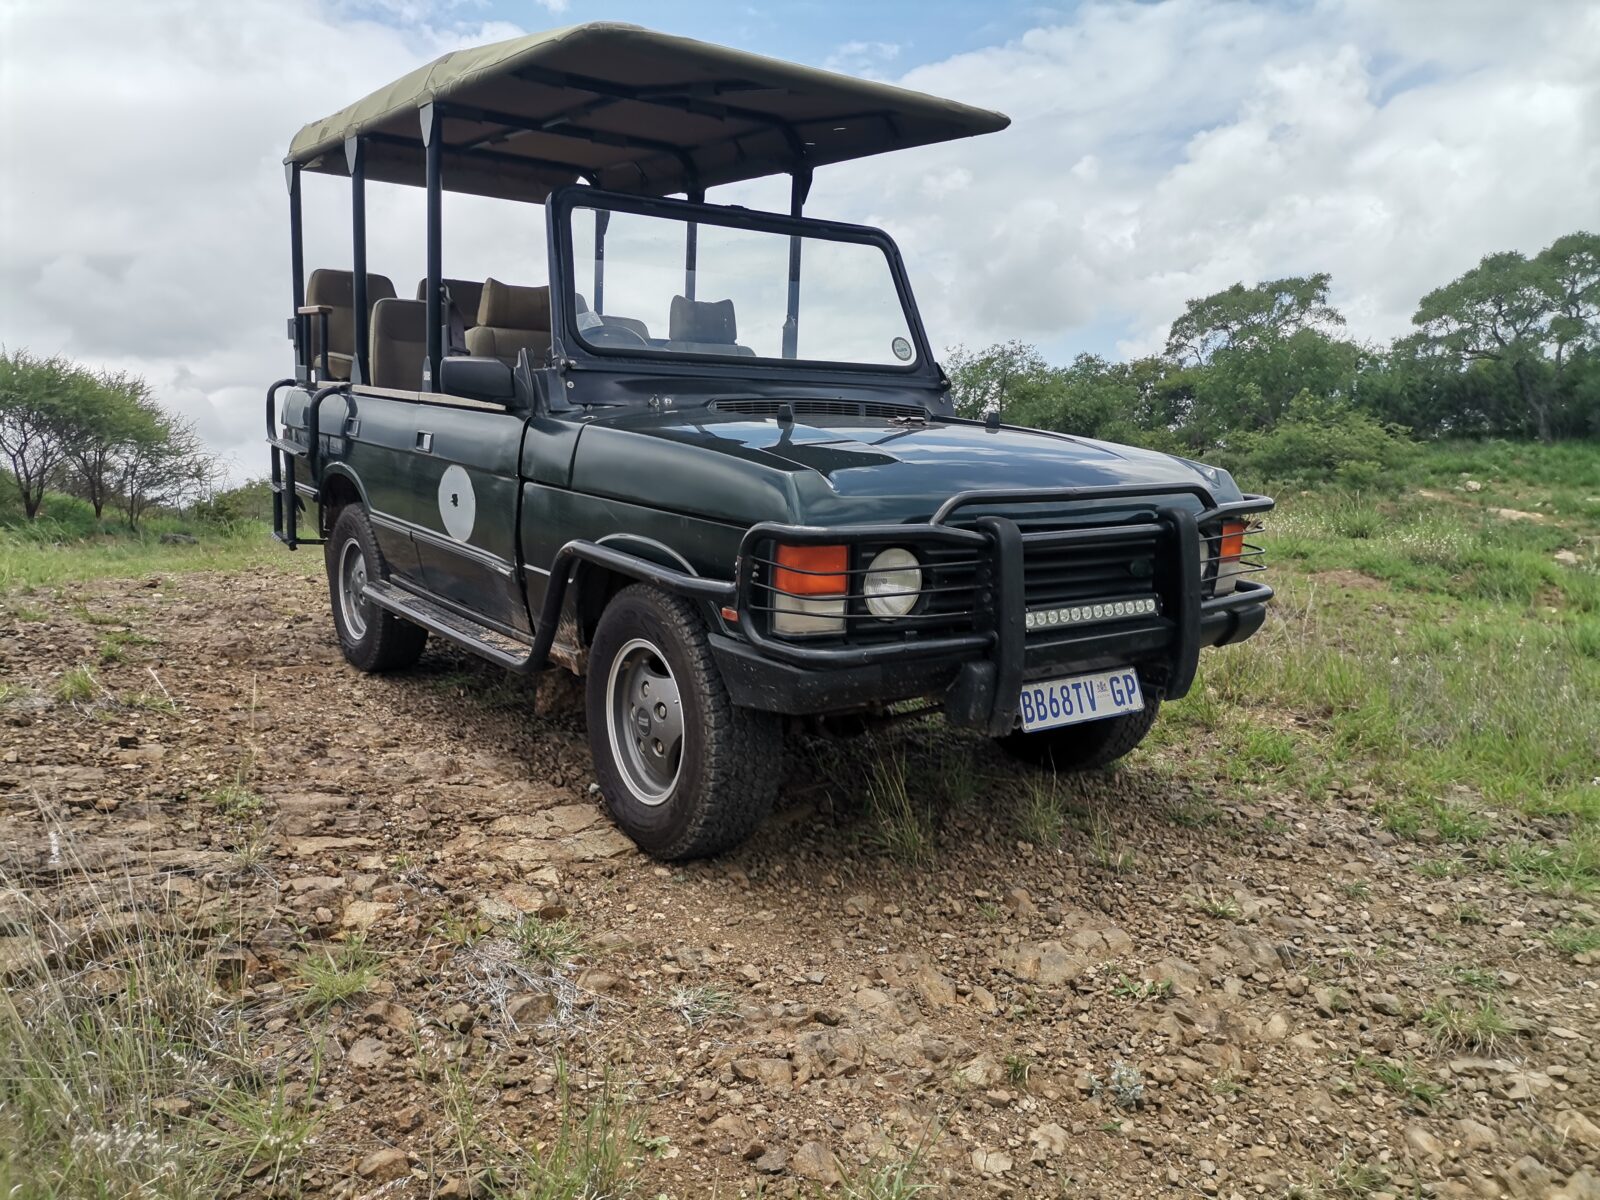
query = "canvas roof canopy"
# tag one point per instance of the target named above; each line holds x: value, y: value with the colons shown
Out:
x: 627, y: 109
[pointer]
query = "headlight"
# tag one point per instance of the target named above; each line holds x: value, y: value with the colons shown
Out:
x: 892, y: 583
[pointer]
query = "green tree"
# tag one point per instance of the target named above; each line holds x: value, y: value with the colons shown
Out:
x: 995, y: 376
x: 38, y: 400
x: 1533, y: 316
x: 163, y: 464
x: 109, y: 416
x: 1254, y: 318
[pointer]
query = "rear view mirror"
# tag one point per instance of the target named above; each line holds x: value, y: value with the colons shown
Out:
x: 477, y: 379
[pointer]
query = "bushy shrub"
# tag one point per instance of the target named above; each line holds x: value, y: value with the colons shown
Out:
x: 1321, y: 440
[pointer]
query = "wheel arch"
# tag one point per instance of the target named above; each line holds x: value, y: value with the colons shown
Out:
x: 340, y: 487
x: 594, y: 585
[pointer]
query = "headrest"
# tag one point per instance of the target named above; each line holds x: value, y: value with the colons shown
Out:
x: 466, y: 293
x: 400, y: 320
x: 506, y: 306
x: 708, y: 321
x: 337, y: 289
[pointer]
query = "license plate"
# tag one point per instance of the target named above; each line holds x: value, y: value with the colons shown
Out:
x: 1051, y: 703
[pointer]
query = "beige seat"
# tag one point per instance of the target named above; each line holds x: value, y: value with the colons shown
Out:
x: 511, y: 319
x: 399, y: 343
x: 336, y: 291
x: 464, y: 293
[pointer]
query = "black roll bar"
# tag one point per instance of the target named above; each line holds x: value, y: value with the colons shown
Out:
x: 433, y: 139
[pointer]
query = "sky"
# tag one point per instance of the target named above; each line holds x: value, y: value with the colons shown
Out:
x: 1158, y: 152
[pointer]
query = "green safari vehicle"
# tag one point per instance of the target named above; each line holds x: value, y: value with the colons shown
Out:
x: 712, y: 464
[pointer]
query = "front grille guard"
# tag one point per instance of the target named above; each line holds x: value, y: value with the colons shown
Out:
x: 999, y: 596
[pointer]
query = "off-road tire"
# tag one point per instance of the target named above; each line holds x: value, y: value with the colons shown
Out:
x: 1083, y: 747
x: 728, y: 771
x: 388, y: 642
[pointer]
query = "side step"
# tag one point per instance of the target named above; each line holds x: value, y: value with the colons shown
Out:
x: 510, y: 653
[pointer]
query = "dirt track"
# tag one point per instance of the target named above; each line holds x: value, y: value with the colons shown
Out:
x: 990, y: 1009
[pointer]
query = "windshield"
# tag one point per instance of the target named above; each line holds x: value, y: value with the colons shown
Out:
x: 668, y: 285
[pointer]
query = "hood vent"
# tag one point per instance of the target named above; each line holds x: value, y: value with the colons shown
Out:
x: 821, y: 408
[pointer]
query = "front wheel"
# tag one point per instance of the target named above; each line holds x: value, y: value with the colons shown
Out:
x: 1082, y: 747
x: 682, y: 770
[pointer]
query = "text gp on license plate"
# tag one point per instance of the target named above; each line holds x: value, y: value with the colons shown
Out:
x: 1051, y: 703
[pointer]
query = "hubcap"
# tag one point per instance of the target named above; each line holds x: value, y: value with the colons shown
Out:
x: 645, y: 721
x: 352, y: 578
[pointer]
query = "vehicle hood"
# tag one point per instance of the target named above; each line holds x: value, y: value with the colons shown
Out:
x: 735, y: 467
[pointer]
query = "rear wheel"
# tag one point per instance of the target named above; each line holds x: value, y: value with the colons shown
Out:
x: 682, y: 770
x: 372, y: 638
x: 1082, y: 747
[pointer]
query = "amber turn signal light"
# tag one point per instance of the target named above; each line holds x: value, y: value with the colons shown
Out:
x: 1231, y: 547
x: 812, y: 570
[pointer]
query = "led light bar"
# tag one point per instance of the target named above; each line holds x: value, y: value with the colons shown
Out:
x: 1086, y: 614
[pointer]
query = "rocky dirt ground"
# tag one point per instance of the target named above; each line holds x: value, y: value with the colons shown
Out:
x: 1204, y: 988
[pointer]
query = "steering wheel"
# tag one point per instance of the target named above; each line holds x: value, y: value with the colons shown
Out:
x: 614, y: 335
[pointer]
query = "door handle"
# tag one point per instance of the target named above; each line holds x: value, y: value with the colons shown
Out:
x: 425, y: 442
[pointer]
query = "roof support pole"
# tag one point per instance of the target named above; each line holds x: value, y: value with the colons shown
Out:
x: 297, y: 273
x: 602, y: 218
x: 691, y: 249
x: 799, y: 189
x: 433, y: 139
x: 355, y: 158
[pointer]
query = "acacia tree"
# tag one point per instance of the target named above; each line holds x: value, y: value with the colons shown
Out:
x: 163, y: 463
x: 109, y: 416
x: 1528, y: 314
x: 38, y: 397
x: 1252, y: 318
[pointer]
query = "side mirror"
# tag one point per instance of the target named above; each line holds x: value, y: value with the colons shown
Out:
x: 486, y: 379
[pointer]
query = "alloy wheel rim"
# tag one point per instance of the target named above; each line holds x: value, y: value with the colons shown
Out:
x: 644, y: 718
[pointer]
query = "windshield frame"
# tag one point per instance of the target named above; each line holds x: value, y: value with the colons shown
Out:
x: 570, y: 344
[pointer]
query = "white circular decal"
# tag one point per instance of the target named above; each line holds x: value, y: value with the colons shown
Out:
x: 457, y: 503
x: 901, y: 348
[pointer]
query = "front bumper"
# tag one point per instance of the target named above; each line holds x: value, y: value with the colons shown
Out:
x: 979, y: 674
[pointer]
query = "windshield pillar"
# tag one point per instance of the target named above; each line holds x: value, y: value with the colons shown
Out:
x: 355, y: 158
x: 799, y: 189
x: 432, y: 137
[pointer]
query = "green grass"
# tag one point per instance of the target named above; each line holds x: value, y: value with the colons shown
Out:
x: 335, y: 977
x: 1466, y: 1026
x: 898, y: 826
x: 49, y: 555
x: 1402, y: 1079
x: 235, y: 801
x: 77, y: 686
x: 549, y: 942
x: 1570, y: 940
x: 1041, y: 812
x: 127, y: 1072
x: 1438, y: 652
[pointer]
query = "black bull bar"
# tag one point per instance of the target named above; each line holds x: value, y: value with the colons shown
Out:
x: 993, y: 658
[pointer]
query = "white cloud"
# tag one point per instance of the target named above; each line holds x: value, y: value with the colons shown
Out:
x: 1158, y: 152
x: 869, y: 59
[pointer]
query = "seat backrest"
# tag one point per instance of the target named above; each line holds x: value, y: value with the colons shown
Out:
x: 703, y: 327
x: 710, y: 322
x: 511, y: 319
x: 465, y: 294
x: 337, y: 291
x: 399, y: 343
